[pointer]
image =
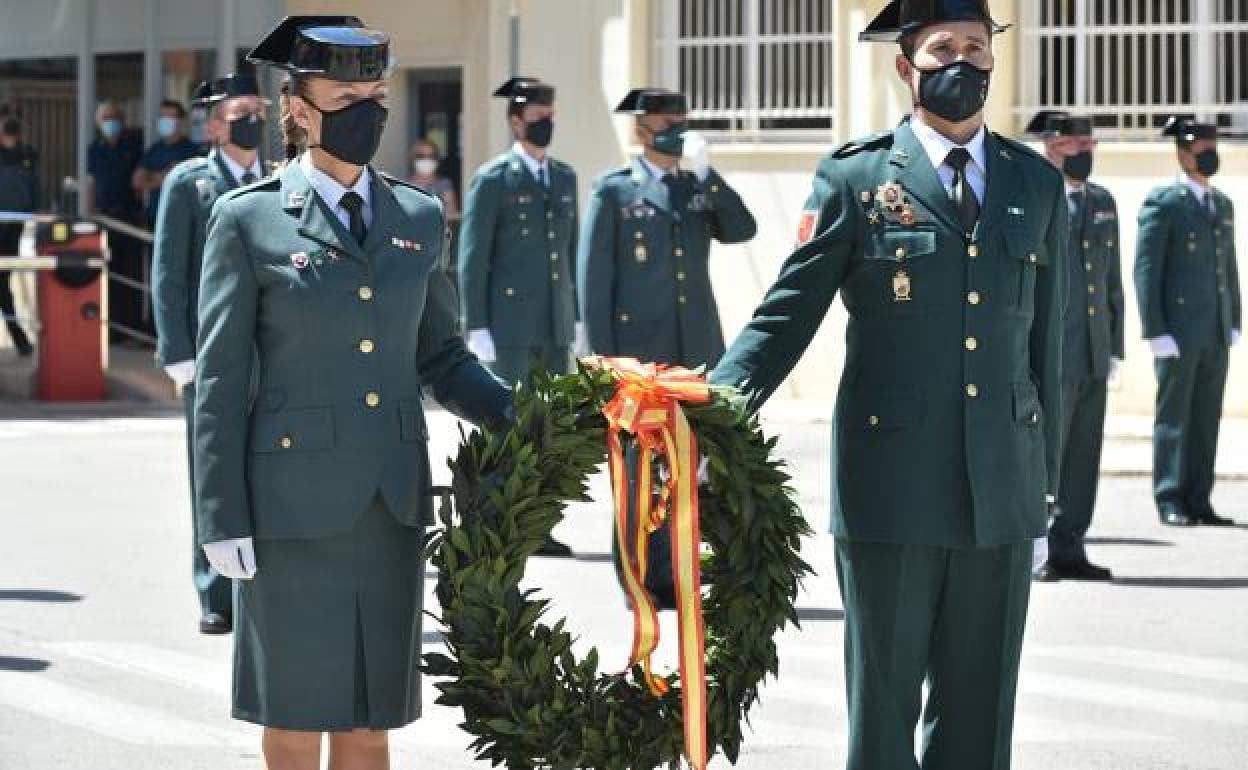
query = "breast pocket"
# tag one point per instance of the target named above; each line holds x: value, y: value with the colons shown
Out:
x: 1025, y: 256
x: 292, y: 431
x: 899, y: 244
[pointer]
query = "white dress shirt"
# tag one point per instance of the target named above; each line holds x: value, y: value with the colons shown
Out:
x: 331, y: 191
x: 1201, y: 191
x: 937, y: 146
x: 536, y: 167
x: 236, y: 169
x: 1071, y: 189
x: 655, y: 171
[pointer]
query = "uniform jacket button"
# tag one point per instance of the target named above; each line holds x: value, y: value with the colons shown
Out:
x: 286, y: 442
x: 372, y: 399
x: 365, y: 293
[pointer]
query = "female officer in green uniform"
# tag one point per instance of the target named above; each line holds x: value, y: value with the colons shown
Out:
x: 313, y: 490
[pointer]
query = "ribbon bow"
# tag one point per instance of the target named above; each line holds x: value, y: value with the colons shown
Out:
x: 647, y: 404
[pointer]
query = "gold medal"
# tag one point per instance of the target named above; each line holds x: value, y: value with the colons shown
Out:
x: 907, y: 215
x: 639, y: 252
x: 901, y: 286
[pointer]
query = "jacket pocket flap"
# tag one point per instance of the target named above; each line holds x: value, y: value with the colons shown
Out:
x: 412, y: 425
x: 901, y: 244
x: 1027, y: 408
x: 294, y: 430
x: 1025, y: 247
x: 882, y: 409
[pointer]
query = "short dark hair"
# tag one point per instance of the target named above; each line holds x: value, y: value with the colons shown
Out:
x: 908, y: 43
x: 176, y: 106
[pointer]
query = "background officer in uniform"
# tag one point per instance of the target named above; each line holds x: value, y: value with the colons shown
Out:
x: 643, y: 278
x: 19, y: 191
x: 1187, y: 284
x: 315, y: 495
x: 235, y: 126
x: 948, y: 245
x: 1093, y: 343
x: 518, y: 246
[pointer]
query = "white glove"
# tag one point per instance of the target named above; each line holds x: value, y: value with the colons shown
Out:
x: 1115, y: 372
x: 697, y: 153
x: 1039, y: 552
x: 580, y: 345
x: 481, y: 343
x: 1164, y: 347
x: 234, y: 559
x: 1234, y: 337
x: 182, y: 373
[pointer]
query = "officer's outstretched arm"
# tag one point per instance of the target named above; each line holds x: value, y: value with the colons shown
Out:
x: 784, y: 324
x: 228, y: 298
x: 731, y: 220
x: 171, y: 272
x: 1047, y: 334
x: 476, y: 249
x: 1117, y: 305
x: 1152, y: 243
x: 595, y: 271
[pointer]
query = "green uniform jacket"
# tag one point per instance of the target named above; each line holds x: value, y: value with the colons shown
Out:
x: 19, y: 179
x: 186, y: 201
x: 517, y: 254
x: 948, y: 418
x: 345, y: 336
x: 1186, y: 277
x: 643, y: 276
x: 1094, y: 311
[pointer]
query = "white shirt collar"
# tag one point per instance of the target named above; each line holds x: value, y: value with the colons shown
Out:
x: 937, y: 145
x: 1071, y: 188
x: 236, y: 169
x: 1199, y: 190
x: 331, y: 190
x: 534, y: 165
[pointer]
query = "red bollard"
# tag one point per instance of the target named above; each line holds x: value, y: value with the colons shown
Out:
x: 71, y: 327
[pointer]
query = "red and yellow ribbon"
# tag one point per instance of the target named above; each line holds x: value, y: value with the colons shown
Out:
x: 647, y: 404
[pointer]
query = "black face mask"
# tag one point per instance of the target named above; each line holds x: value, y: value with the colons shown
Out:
x: 539, y: 132
x: 353, y: 133
x: 247, y: 131
x: 954, y: 92
x: 1207, y: 162
x: 1078, y: 167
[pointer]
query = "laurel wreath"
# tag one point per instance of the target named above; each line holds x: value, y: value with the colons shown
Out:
x: 530, y: 702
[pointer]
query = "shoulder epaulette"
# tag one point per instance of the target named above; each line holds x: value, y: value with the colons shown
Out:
x: 395, y: 181
x: 855, y: 146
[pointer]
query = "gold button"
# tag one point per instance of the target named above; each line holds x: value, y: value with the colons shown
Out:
x: 554, y: 255
x: 554, y: 276
x: 624, y: 318
x: 523, y: 216
x: 367, y: 346
x: 680, y: 275
x: 365, y: 293
x: 1031, y: 258
x: 873, y: 420
x: 1086, y: 244
x: 1091, y: 289
x: 1191, y: 247
x: 972, y: 250
x: 372, y: 399
x: 638, y: 235
x: 510, y: 292
x: 550, y: 215
x: 900, y: 253
x: 971, y: 343
x: 714, y: 188
x: 286, y: 442
x: 1087, y: 266
x: 550, y: 236
x: 1091, y: 311
x: 524, y: 232
x: 1109, y: 244
x: 679, y: 252
x: 866, y: 196
x: 973, y: 298
x: 1180, y: 300
x: 682, y: 299
x: 972, y: 390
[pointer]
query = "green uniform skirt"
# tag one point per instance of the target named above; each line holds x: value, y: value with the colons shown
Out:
x: 327, y: 636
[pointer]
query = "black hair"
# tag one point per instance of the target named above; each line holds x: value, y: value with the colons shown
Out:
x: 176, y: 106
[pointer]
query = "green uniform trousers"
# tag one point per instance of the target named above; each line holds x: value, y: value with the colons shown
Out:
x: 215, y: 592
x: 515, y: 362
x: 1185, y: 429
x: 952, y: 617
x: 1083, y: 431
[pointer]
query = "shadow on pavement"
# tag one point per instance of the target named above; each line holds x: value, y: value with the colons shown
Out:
x: 1181, y: 582
x: 23, y: 664
x: 1148, y: 541
x: 39, y: 596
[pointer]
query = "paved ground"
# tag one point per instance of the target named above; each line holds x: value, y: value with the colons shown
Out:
x: 100, y: 667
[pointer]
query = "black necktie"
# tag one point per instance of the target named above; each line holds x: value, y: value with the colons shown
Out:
x: 963, y: 196
x: 1076, y: 206
x: 675, y: 190
x: 249, y: 178
x: 1211, y: 208
x: 541, y: 177
x: 354, y: 204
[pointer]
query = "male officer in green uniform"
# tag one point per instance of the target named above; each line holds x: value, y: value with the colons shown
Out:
x: 19, y: 191
x: 643, y: 278
x: 948, y: 245
x: 1093, y: 343
x: 235, y: 126
x: 518, y: 246
x: 1187, y: 284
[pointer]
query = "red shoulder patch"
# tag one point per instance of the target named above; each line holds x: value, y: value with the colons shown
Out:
x: 806, y: 226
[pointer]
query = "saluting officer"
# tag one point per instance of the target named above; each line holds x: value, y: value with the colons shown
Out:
x: 1093, y: 343
x: 643, y: 279
x: 518, y: 246
x: 315, y: 494
x: 948, y: 244
x: 1187, y: 284
x: 235, y: 127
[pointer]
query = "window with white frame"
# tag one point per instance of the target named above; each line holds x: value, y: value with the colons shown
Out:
x: 1132, y: 63
x: 751, y: 68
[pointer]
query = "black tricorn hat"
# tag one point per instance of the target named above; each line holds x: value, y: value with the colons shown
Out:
x: 335, y: 47
x: 212, y: 91
x: 1185, y: 129
x: 1053, y: 123
x: 653, y: 101
x: 901, y: 17
x: 524, y: 90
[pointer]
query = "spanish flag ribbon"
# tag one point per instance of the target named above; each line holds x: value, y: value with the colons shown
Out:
x: 647, y: 404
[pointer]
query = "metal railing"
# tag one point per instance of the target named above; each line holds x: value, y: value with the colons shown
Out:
x: 751, y: 69
x: 1132, y: 63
